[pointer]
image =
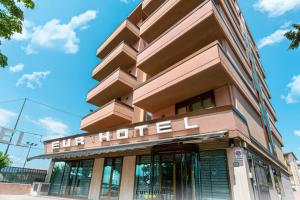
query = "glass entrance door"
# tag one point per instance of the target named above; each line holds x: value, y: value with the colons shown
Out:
x: 177, y: 181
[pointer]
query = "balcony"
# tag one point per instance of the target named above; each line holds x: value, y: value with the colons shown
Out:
x: 117, y: 84
x: 163, y: 15
x: 127, y: 32
x: 202, y: 71
x: 112, y: 114
x: 149, y: 6
x: 123, y: 56
x: 196, y: 30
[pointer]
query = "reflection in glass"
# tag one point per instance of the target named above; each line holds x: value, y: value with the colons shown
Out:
x: 71, y: 178
x: 57, y: 173
x: 203, y: 101
x: 182, y: 176
x: 110, y: 186
x: 84, y: 176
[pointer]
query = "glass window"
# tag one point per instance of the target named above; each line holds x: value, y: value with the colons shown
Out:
x: 145, y: 183
x: 111, y: 179
x: 208, y: 100
x: 196, y: 106
x: 203, y: 101
x: 182, y: 175
x: 56, y: 178
x: 278, y: 181
x: 181, y: 110
x: 148, y: 116
x: 84, y: 176
x: 71, y: 178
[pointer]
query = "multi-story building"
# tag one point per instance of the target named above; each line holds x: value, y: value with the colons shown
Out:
x: 292, y: 163
x: 184, y: 112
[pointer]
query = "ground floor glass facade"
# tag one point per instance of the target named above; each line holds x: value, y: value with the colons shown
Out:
x: 71, y: 178
x: 182, y: 176
x: 110, y: 186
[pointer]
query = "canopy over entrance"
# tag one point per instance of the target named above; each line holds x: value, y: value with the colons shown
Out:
x: 129, y: 147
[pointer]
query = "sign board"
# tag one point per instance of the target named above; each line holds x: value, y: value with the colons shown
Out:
x: 6, y: 134
x: 125, y: 133
x: 238, y: 153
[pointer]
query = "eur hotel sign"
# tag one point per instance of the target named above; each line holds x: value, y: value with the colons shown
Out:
x: 160, y: 127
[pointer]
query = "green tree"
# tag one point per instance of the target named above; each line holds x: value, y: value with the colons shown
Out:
x: 4, y: 160
x: 11, y: 21
x: 294, y: 36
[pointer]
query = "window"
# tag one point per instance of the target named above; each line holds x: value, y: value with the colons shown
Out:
x: 83, y: 179
x: 203, y: 101
x: 147, y: 116
x: 182, y: 175
x: 56, y: 178
x: 278, y: 181
x: 71, y: 178
x: 110, y: 186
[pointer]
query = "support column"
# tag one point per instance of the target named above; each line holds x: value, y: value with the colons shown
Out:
x: 127, y: 180
x: 96, y: 179
x: 239, y: 174
x: 49, y: 172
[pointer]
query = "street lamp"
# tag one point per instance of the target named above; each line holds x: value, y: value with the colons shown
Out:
x: 30, y: 144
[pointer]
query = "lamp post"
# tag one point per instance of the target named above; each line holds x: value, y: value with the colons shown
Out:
x: 30, y: 144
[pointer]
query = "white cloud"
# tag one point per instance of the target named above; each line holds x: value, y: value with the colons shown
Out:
x: 33, y: 80
x: 26, y: 33
x: 297, y: 132
x: 286, y: 25
x: 6, y: 116
x: 127, y: 1
x: 274, y: 38
x: 17, y: 68
x: 54, y: 127
x: 16, y: 160
x: 56, y: 35
x: 294, y: 91
x: 277, y: 7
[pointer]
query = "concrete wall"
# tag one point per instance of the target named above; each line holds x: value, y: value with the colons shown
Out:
x: 127, y: 180
x: 252, y: 117
x: 241, y: 187
x: 297, y: 195
x: 287, y: 188
x: 222, y: 98
x: 96, y: 179
x: 14, y: 188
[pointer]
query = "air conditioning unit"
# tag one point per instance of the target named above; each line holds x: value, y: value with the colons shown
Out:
x: 39, y: 188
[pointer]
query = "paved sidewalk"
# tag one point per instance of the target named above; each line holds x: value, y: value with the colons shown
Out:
x: 28, y: 197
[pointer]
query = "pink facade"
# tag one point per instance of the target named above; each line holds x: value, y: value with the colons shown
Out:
x: 185, y: 72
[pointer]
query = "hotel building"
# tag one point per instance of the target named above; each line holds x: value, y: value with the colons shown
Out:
x: 184, y: 112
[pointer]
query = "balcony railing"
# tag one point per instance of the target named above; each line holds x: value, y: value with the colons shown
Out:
x: 112, y: 114
x: 179, y: 41
x: 204, y: 70
x: 127, y: 32
x: 150, y: 6
x: 117, y: 84
x: 123, y: 56
x: 168, y: 14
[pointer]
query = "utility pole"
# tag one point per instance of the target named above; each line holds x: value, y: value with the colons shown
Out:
x: 30, y: 146
x: 16, y: 125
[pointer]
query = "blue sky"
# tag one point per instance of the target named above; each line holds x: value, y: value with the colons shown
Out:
x: 51, y: 62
